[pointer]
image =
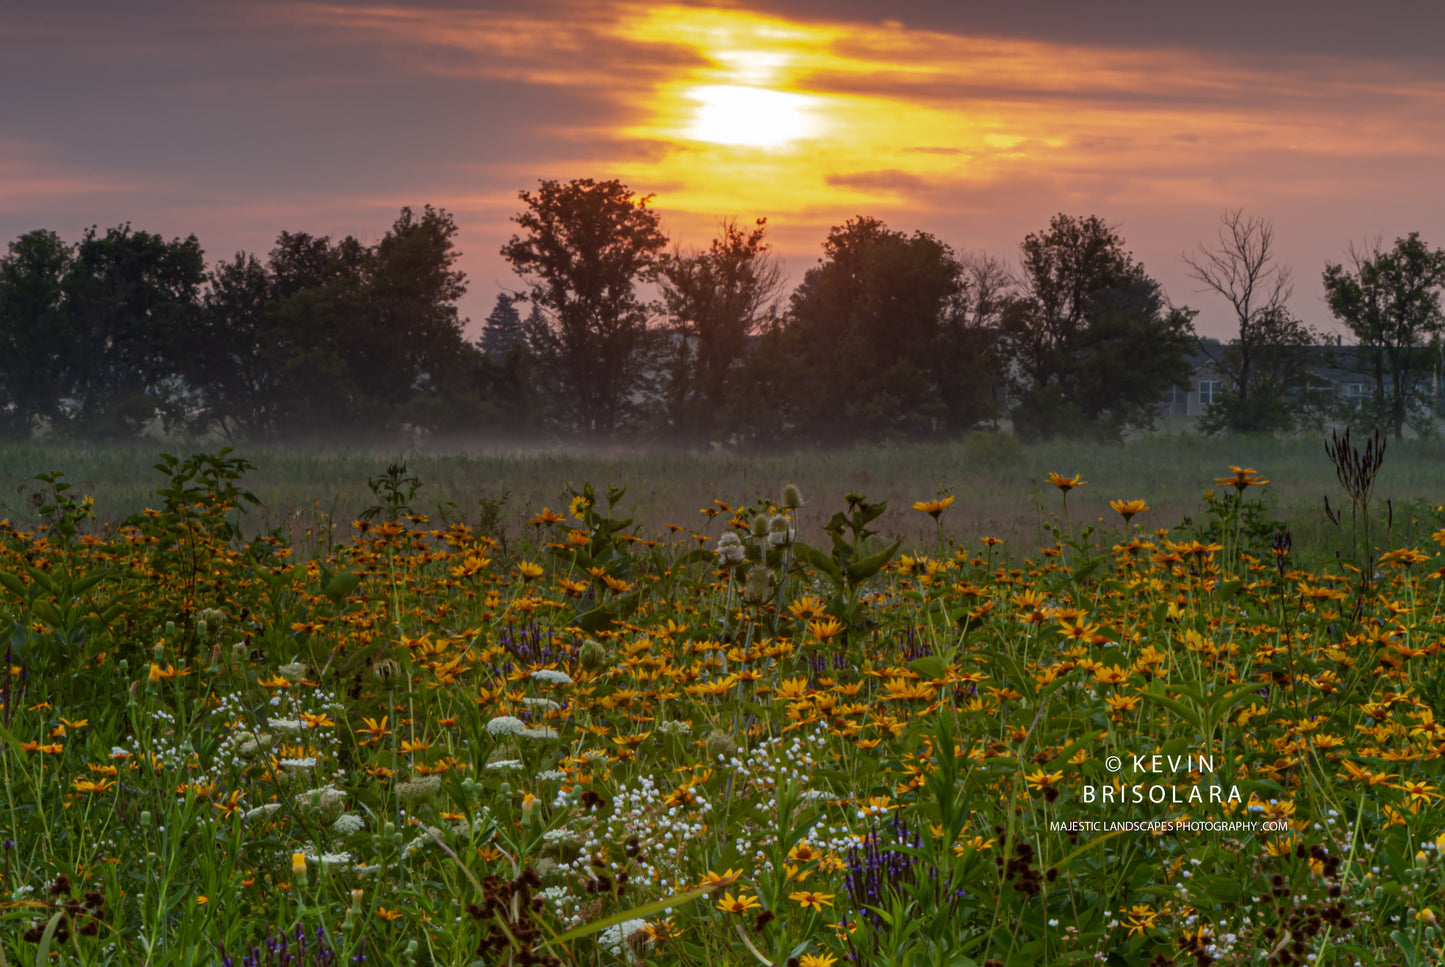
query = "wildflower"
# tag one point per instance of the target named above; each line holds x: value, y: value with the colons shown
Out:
x: 1128, y: 508
x: 529, y: 571
x: 817, y: 960
x: 717, y: 881
x: 552, y: 677
x: 738, y: 904
x: 807, y: 898
x: 1246, y: 477
x: 1066, y: 483
x: 87, y: 785
x: 388, y: 915
x: 506, y: 725
x: 293, y: 672
x: 934, y: 508
x: 793, y: 498
x: 373, y: 730
x: 824, y: 630
x: 730, y: 549
x: 782, y: 532
x: 348, y: 823
x: 614, y: 937
x: 298, y: 867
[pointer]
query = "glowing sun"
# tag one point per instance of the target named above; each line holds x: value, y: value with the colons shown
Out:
x: 754, y: 116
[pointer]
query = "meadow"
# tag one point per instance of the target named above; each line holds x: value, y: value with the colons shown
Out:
x: 967, y: 705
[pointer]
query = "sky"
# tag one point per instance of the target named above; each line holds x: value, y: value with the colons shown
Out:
x: 976, y: 122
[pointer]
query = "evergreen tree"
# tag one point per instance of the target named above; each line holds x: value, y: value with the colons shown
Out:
x: 503, y: 328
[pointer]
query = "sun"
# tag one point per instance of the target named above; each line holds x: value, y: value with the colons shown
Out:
x: 749, y: 116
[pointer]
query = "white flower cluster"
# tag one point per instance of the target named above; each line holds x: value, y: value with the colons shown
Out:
x: 348, y: 823
x: 552, y: 677
x: 506, y: 725
x: 614, y: 938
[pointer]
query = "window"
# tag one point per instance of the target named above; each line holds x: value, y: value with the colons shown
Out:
x: 1209, y: 391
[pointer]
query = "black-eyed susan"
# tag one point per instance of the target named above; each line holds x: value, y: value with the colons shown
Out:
x: 1066, y: 484
x: 1128, y: 509
x: 810, y: 899
x: 740, y: 904
x: 934, y: 508
x: 1243, y: 477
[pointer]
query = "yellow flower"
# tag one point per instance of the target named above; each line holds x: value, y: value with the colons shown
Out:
x: 817, y: 960
x: 823, y: 630
x: 738, y: 904
x: 807, y: 898
x: 529, y: 571
x: 934, y: 508
x: 1067, y: 483
x: 1128, y: 508
x: 716, y: 881
x: 1246, y: 477
x: 86, y: 785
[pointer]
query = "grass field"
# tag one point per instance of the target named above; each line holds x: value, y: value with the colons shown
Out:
x: 542, y: 738
x: 1001, y: 487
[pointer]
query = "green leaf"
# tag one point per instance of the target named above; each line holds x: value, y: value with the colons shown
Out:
x: 42, y: 579
x: 823, y: 562
x: 341, y: 585
x: 861, y: 570
x: 85, y: 583
x: 14, y: 585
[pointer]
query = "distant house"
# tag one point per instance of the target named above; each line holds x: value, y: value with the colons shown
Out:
x: 1335, y: 373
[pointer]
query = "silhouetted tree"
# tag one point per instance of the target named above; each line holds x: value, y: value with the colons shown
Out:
x: 863, y: 330
x: 967, y: 357
x: 36, y: 339
x: 714, y: 300
x: 1391, y: 302
x: 340, y: 336
x: 1267, y: 359
x: 131, y: 298
x: 585, y: 247
x: 1092, y: 346
x: 503, y: 329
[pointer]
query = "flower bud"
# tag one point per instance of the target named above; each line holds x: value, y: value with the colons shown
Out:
x: 592, y: 655
x: 759, y: 525
x: 759, y: 586
x: 298, y: 867
x: 792, y: 497
x: 719, y: 743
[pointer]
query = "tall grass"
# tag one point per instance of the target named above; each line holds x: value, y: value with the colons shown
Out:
x: 1001, y: 487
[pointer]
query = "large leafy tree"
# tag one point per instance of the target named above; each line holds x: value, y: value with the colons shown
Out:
x: 36, y: 342
x: 715, y: 301
x: 861, y: 333
x: 329, y: 336
x: 1391, y: 302
x: 1267, y: 360
x: 584, y: 248
x: 1092, y: 345
x: 131, y: 298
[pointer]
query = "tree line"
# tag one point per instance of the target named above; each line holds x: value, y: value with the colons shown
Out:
x: 890, y: 335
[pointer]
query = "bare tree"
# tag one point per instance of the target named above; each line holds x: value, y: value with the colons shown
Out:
x: 1266, y: 357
